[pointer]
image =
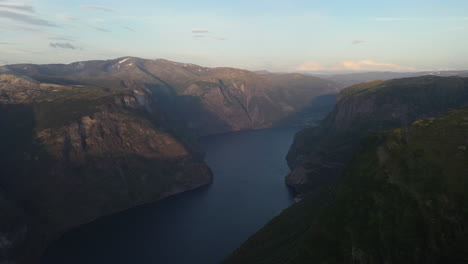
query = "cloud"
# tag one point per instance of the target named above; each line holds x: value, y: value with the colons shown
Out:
x: 101, y: 8
x: 203, y: 32
x: 362, y: 65
x: 61, y: 38
x: 219, y: 38
x: 310, y: 66
x: 26, y: 19
x: 64, y: 45
x: 199, y: 30
x: 68, y: 17
x: 369, y: 65
x: 18, y: 6
x: 21, y: 28
x: 357, y: 42
x: 128, y: 28
x: 100, y: 29
x: 200, y: 36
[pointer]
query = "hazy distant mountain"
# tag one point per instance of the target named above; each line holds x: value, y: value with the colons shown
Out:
x: 349, y: 79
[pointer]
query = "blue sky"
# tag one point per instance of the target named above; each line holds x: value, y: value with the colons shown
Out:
x: 277, y: 35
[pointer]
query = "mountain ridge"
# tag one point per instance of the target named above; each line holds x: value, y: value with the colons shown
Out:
x: 87, y: 139
x: 323, y: 152
x: 401, y: 200
x: 196, y: 90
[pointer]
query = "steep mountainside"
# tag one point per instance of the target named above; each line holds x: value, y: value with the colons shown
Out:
x: 320, y: 154
x: 86, y: 139
x: 402, y: 200
x: 202, y: 100
x: 350, y: 79
x: 70, y: 154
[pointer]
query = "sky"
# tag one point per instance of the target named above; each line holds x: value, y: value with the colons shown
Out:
x: 275, y: 35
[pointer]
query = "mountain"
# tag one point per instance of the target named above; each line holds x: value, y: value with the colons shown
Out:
x: 350, y: 79
x: 320, y: 154
x: 87, y: 139
x: 202, y: 100
x: 402, y: 200
x: 70, y: 154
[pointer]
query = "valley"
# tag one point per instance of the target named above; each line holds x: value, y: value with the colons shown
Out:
x: 247, y: 191
x: 89, y: 139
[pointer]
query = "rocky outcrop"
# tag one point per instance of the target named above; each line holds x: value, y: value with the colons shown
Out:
x: 200, y: 99
x: 320, y: 154
x: 402, y: 199
x: 71, y: 154
x: 86, y: 139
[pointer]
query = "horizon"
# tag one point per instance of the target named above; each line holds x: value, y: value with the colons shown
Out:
x: 277, y: 36
x: 315, y: 73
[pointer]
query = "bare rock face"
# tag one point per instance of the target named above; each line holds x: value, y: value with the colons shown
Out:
x: 402, y: 197
x: 203, y: 100
x: 320, y: 154
x: 86, y: 139
x: 71, y: 154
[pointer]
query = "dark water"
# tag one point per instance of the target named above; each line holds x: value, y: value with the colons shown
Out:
x: 201, y: 226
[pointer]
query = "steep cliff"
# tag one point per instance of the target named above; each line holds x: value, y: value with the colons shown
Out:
x: 72, y: 153
x: 321, y: 153
x: 402, y: 200
x: 86, y: 139
x: 202, y: 100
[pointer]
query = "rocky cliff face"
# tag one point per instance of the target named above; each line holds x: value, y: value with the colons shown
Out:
x: 319, y: 154
x: 202, y: 100
x: 86, y: 139
x: 70, y: 154
x: 402, y: 199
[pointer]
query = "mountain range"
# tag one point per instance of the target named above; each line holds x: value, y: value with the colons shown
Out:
x: 87, y: 139
x: 382, y: 180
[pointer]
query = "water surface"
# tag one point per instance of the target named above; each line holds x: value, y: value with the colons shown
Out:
x: 201, y: 226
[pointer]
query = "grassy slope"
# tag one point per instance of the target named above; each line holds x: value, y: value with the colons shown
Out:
x: 402, y: 201
x: 370, y: 107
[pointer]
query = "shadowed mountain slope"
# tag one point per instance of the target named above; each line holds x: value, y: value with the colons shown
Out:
x: 204, y: 100
x: 401, y: 199
x: 70, y: 154
x: 87, y: 139
x: 321, y: 153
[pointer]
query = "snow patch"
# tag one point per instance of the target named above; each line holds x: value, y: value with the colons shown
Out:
x: 124, y: 60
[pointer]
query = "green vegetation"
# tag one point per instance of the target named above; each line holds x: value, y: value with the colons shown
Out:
x: 368, y: 108
x: 402, y: 200
x: 361, y: 88
x: 66, y: 105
